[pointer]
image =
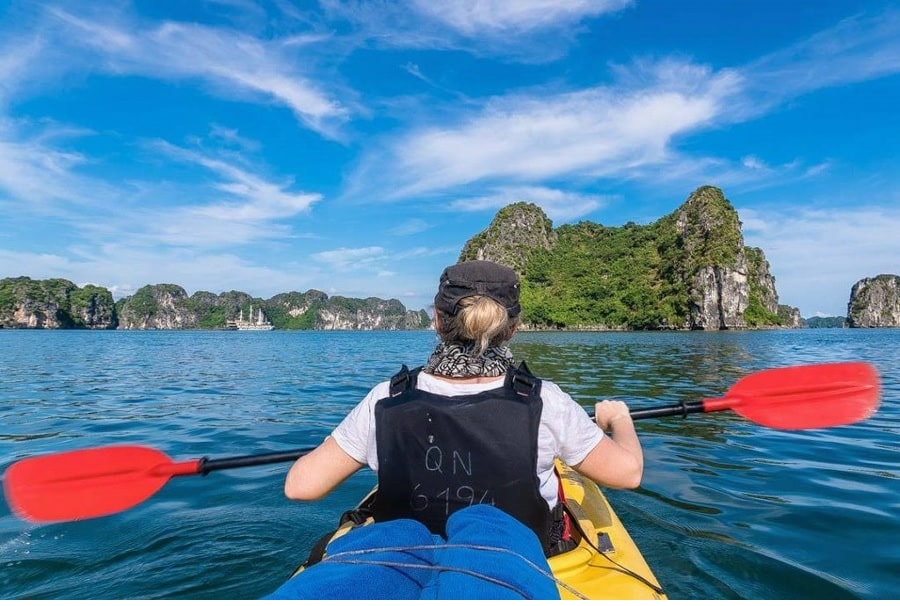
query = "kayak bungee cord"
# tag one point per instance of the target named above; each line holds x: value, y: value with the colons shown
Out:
x: 618, y: 567
x: 339, y: 558
x: 631, y: 573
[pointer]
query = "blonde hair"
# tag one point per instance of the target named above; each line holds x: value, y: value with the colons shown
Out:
x: 480, y: 321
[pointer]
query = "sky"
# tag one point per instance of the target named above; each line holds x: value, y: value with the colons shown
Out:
x: 354, y: 147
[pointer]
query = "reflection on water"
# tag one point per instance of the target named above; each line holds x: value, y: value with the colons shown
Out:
x: 727, y: 509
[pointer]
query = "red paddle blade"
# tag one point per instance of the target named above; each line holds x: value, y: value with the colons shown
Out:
x: 84, y: 483
x: 804, y: 397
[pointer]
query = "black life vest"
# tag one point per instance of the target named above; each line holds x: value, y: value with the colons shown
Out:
x: 438, y: 454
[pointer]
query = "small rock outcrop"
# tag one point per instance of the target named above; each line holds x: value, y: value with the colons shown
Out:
x: 875, y: 302
x: 790, y: 317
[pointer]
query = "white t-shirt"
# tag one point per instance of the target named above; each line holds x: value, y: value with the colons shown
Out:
x: 566, y: 430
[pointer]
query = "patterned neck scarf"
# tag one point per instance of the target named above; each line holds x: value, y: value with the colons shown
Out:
x: 455, y: 360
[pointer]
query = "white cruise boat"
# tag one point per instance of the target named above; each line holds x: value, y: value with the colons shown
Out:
x: 261, y: 323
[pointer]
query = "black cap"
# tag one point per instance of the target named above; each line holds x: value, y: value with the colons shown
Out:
x: 486, y: 278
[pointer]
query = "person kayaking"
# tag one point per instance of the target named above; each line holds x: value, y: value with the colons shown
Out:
x: 471, y: 427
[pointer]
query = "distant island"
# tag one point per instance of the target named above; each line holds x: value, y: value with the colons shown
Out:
x: 58, y: 303
x: 826, y: 322
x: 690, y: 270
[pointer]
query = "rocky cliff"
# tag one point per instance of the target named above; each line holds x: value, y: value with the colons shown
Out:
x: 353, y: 314
x: 167, y: 306
x: 54, y: 303
x: 159, y: 306
x: 714, y: 261
x: 517, y: 231
x: 314, y: 309
x: 688, y: 270
x: 875, y: 302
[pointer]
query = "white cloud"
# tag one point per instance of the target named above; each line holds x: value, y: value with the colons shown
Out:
x: 857, y: 49
x: 17, y: 57
x: 560, y: 206
x: 232, y: 137
x: 238, y: 207
x: 234, y: 63
x: 597, y: 132
x: 250, y: 197
x: 747, y: 174
x: 410, y: 227
x: 532, y: 31
x: 40, y: 168
x: 479, y: 17
x: 420, y: 252
x: 753, y: 163
x: 342, y: 259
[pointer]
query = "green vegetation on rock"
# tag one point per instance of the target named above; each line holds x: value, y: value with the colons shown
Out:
x: 634, y: 277
x: 603, y: 277
x: 54, y: 303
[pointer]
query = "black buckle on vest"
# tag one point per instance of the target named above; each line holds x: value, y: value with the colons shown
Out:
x: 400, y: 381
x: 522, y: 385
x: 356, y: 516
x: 523, y: 382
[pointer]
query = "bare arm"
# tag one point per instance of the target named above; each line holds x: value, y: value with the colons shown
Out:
x: 618, y: 460
x: 314, y: 475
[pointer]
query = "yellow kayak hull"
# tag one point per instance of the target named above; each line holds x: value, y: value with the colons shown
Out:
x: 600, y: 569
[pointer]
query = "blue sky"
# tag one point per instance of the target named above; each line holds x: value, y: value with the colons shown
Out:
x: 353, y: 147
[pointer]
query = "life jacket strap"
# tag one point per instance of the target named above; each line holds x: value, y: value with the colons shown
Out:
x: 404, y: 380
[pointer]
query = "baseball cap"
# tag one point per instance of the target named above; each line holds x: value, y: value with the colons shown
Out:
x: 486, y: 278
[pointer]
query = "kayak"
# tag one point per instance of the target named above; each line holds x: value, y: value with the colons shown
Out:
x: 605, y: 564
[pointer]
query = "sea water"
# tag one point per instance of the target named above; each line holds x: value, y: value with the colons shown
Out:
x: 727, y: 509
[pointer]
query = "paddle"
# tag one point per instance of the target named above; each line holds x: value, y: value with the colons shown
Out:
x: 95, y: 482
x: 100, y: 481
x: 796, y: 397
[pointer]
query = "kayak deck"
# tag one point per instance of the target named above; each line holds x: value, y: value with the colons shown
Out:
x: 602, y: 570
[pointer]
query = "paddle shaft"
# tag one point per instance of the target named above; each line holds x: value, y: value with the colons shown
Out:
x: 205, y: 465
x: 680, y: 409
